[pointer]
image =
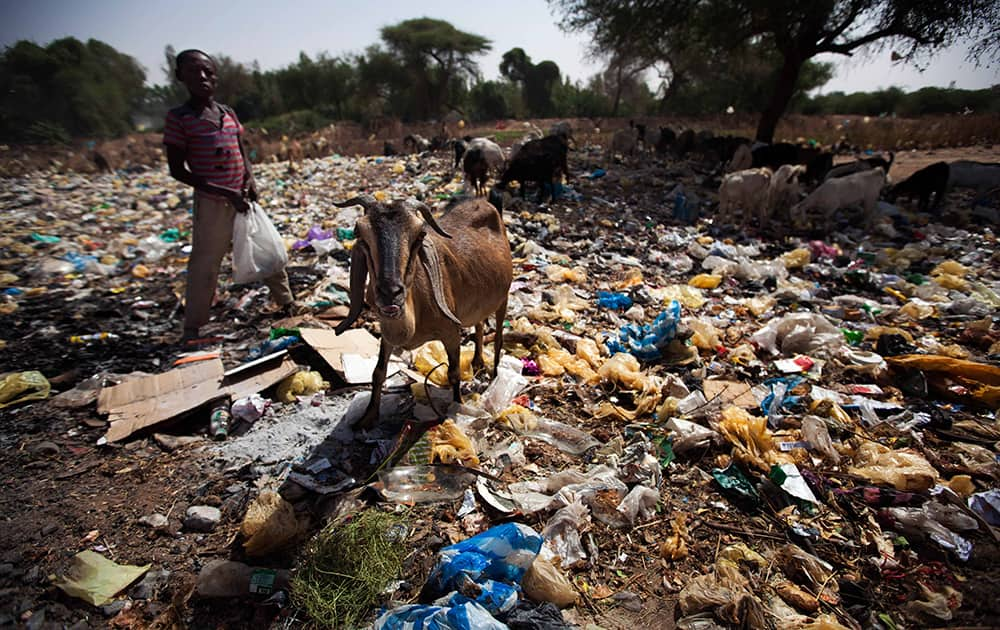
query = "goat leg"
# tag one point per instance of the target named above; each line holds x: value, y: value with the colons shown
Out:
x: 501, y: 314
x: 371, y: 414
x: 453, y: 346
x: 359, y: 273
x: 477, y: 358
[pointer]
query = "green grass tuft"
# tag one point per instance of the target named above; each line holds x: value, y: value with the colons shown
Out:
x: 344, y: 568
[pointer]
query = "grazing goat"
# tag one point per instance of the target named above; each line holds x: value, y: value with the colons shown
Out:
x: 537, y: 162
x: 389, y: 149
x: 783, y: 192
x: 744, y: 190
x: 857, y: 166
x: 491, y: 152
x: 477, y: 169
x: 981, y: 176
x: 817, y: 162
x: 742, y: 159
x: 665, y: 140
x: 415, y: 143
x: 843, y: 192
x: 564, y: 130
x: 624, y: 142
x: 684, y: 143
x: 460, y: 145
x: 930, y: 180
x: 427, y: 284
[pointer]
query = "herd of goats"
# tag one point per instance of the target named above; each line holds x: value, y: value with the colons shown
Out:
x: 761, y: 181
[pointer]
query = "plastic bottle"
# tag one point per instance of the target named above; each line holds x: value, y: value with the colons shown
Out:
x: 101, y: 336
x: 226, y: 578
x: 271, y: 346
x: 220, y: 419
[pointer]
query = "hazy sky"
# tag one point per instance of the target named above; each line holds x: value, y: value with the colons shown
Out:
x: 274, y: 33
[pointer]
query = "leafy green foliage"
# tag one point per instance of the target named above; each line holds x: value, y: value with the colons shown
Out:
x: 536, y: 80
x: 68, y: 88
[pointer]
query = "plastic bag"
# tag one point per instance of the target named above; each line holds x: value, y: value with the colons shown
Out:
x: 563, y: 533
x: 270, y: 524
x: 432, y: 353
x: 688, y: 435
x: 300, y: 384
x: 466, y: 616
x: 688, y: 296
x: 18, y: 387
x: 706, y: 336
x: 623, y: 370
x: 705, y: 281
x: 503, y: 389
x: 815, y: 431
x: 981, y: 379
x: 639, y: 503
x: 938, y: 605
x: 903, y: 469
x: 95, y: 579
x: 258, y: 249
x: 675, y: 547
x: 544, y: 582
x: 449, y: 445
x: 752, y: 442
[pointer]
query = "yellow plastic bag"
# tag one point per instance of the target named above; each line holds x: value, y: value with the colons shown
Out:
x: 18, y: 387
x: 752, y: 443
x: 95, y: 579
x: 981, y: 379
x: 951, y: 268
x: 706, y: 336
x: 429, y: 355
x: 689, y: 297
x: 674, y: 547
x: 450, y: 445
x: 705, y: 281
x: 300, y: 384
x: 269, y: 525
x: 623, y: 370
x: 587, y: 350
x: 558, y: 273
x: 904, y: 469
x: 576, y: 366
x: 761, y: 304
x: 519, y: 418
x: 544, y: 582
x: 797, y: 258
x: 632, y: 278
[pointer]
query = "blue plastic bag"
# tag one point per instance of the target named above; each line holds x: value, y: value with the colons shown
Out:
x: 647, y: 342
x: 468, y: 616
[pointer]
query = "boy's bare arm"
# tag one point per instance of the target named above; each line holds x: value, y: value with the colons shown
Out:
x: 176, y: 158
x: 249, y: 185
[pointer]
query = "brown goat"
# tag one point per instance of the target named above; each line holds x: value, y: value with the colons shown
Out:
x: 429, y: 284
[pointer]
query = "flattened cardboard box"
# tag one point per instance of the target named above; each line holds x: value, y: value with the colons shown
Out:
x: 143, y: 402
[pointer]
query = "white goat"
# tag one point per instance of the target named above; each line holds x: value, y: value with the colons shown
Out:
x: 859, y: 189
x: 746, y: 190
x: 784, y: 191
x: 742, y: 159
x: 491, y: 151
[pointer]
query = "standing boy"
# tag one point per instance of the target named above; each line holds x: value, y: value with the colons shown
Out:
x: 205, y: 150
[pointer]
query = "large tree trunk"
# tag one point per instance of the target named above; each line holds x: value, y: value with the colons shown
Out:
x: 783, y: 90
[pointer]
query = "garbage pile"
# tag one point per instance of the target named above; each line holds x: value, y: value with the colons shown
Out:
x: 795, y: 434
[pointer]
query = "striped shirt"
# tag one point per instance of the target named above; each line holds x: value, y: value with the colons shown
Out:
x: 210, y: 152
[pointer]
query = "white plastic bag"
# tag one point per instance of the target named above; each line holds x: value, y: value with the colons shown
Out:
x: 258, y: 250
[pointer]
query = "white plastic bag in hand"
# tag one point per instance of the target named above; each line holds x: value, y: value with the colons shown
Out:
x: 258, y: 249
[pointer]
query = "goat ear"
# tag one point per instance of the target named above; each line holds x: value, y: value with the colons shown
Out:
x: 425, y: 212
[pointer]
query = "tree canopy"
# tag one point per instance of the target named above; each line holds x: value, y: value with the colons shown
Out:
x: 664, y: 30
x: 67, y: 88
x: 433, y: 52
x: 536, y: 80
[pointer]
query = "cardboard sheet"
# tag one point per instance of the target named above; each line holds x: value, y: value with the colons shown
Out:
x: 358, y: 344
x: 143, y: 402
x: 730, y: 393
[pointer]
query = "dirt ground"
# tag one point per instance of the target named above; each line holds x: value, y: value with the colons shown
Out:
x: 61, y: 493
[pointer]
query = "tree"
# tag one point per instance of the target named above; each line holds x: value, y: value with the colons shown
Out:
x: 798, y: 31
x: 536, y: 80
x: 433, y: 52
x: 67, y: 88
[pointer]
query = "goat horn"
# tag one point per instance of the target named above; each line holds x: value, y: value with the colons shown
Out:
x: 425, y: 212
x: 365, y: 201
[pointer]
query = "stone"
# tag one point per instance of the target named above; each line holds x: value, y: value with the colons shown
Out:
x: 150, y: 584
x: 44, y: 449
x: 115, y: 607
x: 202, y: 518
x: 155, y: 521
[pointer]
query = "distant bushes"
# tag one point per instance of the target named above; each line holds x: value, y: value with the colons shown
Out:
x: 925, y: 101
